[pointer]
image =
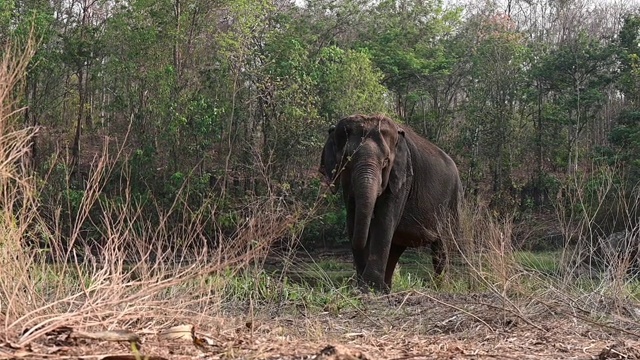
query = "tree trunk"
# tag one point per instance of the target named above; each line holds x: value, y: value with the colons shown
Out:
x: 88, y: 96
x: 31, y: 120
x: 75, y: 147
x: 176, y: 44
x: 537, y: 188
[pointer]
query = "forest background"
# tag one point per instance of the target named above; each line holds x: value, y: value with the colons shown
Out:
x: 159, y: 168
x: 217, y: 104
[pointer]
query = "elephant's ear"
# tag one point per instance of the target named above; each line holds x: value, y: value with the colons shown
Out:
x: 328, y: 162
x: 402, y: 168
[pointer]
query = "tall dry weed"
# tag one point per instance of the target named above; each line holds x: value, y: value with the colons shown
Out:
x: 595, y: 273
x: 601, y: 257
x: 17, y: 185
x: 489, y: 254
x: 144, y: 271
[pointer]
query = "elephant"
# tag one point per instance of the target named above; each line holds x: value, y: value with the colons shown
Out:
x: 400, y: 190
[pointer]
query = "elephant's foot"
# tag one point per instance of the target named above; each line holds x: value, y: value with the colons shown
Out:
x: 372, y: 281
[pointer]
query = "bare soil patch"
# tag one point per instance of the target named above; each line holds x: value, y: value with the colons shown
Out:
x: 398, y: 326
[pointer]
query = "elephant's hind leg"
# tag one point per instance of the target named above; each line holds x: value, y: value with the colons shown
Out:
x: 438, y: 257
x: 394, y: 255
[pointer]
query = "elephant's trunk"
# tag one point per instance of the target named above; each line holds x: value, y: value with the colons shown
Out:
x: 365, y: 183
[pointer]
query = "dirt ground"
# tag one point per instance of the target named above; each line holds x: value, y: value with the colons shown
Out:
x: 398, y: 326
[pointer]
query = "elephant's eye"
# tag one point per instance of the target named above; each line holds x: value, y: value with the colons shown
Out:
x: 385, y: 162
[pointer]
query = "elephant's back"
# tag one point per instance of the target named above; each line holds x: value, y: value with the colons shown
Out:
x: 424, y: 147
x: 432, y: 166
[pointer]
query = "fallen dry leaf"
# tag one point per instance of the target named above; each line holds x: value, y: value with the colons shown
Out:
x: 111, y: 335
x: 132, y: 357
x: 20, y: 353
x: 180, y: 332
x: 338, y: 352
x: 11, y: 351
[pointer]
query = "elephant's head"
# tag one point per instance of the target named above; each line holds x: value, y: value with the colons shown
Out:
x: 368, y: 154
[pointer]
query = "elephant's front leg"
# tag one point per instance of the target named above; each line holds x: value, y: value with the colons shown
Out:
x: 360, y: 262
x: 376, y: 263
x: 387, y: 214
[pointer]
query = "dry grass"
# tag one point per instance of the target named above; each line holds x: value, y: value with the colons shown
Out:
x: 397, y: 326
x: 147, y: 273
x: 553, y: 293
x: 16, y: 186
x: 144, y: 274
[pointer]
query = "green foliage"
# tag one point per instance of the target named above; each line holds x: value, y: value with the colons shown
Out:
x: 494, y: 127
x: 291, y: 122
x: 74, y: 198
x: 348, y: 83
x: 625, y: 138
x: 600, y: 201
x: 629, y: 57
x: 539, y: 193
x: 6, y: 13
x: 578, y: 75
x: 403, y: 40
x: 329, y: 226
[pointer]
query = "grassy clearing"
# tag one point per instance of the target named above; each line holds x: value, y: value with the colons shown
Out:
x: 547, y: 263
